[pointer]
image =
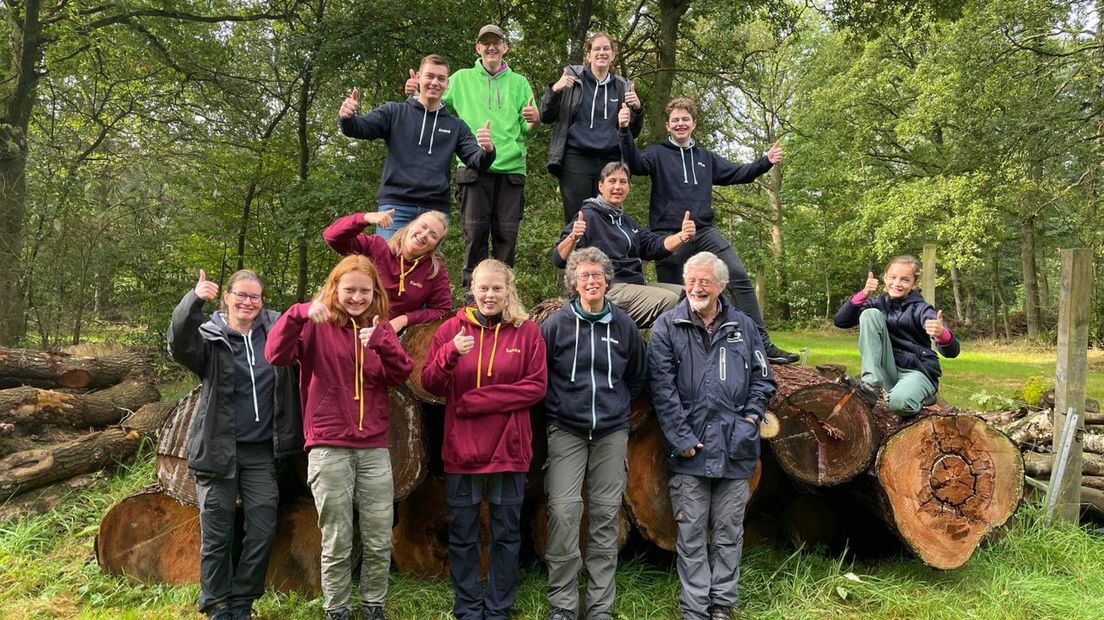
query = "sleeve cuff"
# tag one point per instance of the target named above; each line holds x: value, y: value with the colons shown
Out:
x: 944, y: 338
x: 859, y: 298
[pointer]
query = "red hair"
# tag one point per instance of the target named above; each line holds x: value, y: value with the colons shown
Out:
x: 328, y: 293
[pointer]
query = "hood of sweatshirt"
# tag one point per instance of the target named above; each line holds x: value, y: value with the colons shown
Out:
x: 252, y: 371
x: 603, y: 85
x: 689, y: 155
x: 494, y: 85
x: 429, y: 118
x: 602, y: 206
x: 488, y: 333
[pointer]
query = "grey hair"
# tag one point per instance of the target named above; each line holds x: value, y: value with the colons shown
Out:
x: 587, y: 255
x: 707, y: 259
x: 614, y: 166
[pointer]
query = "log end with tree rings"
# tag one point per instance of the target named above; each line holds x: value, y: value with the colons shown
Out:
x: 826, y: 433
x: 415, y: 341
x: 949, y: 481
x: 406, y: 438
x: 150, y: 537
x: 540, y: 526
x: 294, y: 564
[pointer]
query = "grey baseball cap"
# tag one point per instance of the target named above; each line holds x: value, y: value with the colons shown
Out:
x: 490, y: 29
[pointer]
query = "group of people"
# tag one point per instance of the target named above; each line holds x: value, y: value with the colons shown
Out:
x: 316, y: 378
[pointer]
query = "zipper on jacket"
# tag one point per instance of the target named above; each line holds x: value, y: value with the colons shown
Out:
x: 593, y: 388
x: 723, y: 364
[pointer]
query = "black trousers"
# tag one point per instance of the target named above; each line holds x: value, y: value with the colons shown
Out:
x: 220, y: 580
x: 491, y: 205
x: 579, y: 181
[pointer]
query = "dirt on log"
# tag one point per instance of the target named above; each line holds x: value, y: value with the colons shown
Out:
x: 30, y: 409
x: 52, y: 370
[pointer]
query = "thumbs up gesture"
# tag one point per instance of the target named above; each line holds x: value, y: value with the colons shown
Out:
x: 935, y: 326
x: 463, y: 342
x: 530, y: 112
x: 631, y: 97
x: 566, y: 81
x: 317, y: 312
x: 578, y: 229
x: 483, y: 137
x: 351, y: 105
x: 689, y: 228
x: 871, y: 285
x: 411, y: 85
x: 774, y: 155
x: 624, y: 116
x: 365, y: 333
x: 204, y: 288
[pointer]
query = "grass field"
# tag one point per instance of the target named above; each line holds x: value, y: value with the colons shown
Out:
x: 47, y: 569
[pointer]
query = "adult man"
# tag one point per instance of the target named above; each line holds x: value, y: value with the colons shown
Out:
x: 492, y: 96
x: 683, y: 175
x: 421, y: 139
x: 710, y: 385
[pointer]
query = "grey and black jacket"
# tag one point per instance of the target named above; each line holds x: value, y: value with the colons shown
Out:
x: 703, y: 393
x: 202, y: 346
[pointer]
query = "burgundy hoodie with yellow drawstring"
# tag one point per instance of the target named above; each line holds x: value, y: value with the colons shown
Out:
x: 343, y: 385
x: 488, y: 393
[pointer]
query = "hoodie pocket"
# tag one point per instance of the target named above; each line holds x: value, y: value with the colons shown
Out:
x: 326, y: 417
x: 743, y: 439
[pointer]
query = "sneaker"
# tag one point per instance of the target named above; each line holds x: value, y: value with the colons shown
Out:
x: 560, y: 614
x: 720, y: 612
x: 339, y: 614
x: 869, y: 393
x: 778, y: 356
x: 372, y: 612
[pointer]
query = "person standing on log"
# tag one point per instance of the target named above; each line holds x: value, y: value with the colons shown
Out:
x: 602, y: 223
x: 596, y: 365
x: 896, y: 333
x: 247, y: 418
x: 350, y: 356
x: 583, y: 106
x: 489, y: 363
x: 422, y: 138
x: 711, y: 383
x: 411, y: 267
x: 683, y: 176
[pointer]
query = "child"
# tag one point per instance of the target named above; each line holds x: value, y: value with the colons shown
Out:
x: 349, y: 356
x: 896, y: 330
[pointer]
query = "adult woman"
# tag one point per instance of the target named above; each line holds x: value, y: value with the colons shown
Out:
x: 349, y: 359
x: 248, y: 416
x: 411, y: 268
x: 583, y: 106
x: 488, y: 361
x: 603, y: 223
x: 596, y: 365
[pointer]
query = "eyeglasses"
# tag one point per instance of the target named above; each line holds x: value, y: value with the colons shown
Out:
x: 244, y: 296
x: 704, y: 282
x: 591, y: 275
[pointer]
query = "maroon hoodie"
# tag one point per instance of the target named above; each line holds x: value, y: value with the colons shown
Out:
x: 410, y: 289
x: 341, y: 406
x: 488, y: 393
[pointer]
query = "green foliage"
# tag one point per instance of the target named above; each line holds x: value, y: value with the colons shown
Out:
x: 1034, y: 388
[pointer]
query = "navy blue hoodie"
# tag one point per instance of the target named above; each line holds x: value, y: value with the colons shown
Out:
x: 595, y: 369
x: 905, y: 323
x: 420, y: 147
x: 683, y: 179
x: 625, y: 242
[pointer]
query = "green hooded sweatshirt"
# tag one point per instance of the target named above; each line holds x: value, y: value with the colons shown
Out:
x: 476, y: 96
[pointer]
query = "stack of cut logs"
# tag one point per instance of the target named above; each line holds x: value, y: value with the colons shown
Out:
x: 940, y: 481
x: 64, y: 415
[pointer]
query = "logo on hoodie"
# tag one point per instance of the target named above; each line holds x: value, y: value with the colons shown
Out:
x: 513, y: 350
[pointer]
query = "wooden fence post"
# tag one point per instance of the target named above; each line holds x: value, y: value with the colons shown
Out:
x: 927, y: 274
x: 1069, y: 376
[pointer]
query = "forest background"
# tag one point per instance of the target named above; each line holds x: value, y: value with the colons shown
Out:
x: 142, y: 140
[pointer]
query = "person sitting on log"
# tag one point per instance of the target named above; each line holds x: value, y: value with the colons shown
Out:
x: 896, y: 332
x: 683, y: 176
x: 596, y: 365
x: 411, y: 267
x: 349, y: 356
x: 711, y: 383
x: 247, y: 418
x: 602, y: 223
x: 488, y: 361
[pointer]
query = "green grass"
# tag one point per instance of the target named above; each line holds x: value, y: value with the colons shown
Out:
x: 47, y: 567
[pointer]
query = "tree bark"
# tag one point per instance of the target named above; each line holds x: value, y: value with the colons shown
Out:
x: 1030, y: 282
x: 420, y: 538
x: 51, y: 370
x: 539, y: 527
x: 580, y: 26
x: 415, y: 341
x: 670, y: 15
x: 778, y: 250
x: 31, y: 409
x: 1040, y: 465
x: 960, y: 308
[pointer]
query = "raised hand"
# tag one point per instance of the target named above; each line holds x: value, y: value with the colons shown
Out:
x: 530, y: 112
x: 689, y: 228
x: 204, y: 288
x: 775, y: 152
x: 624, y: 116
x: 463, y: 342
x: 871, y: 285
x: 318, y: 312
x: 935, y: 326
x: 365, y: 333
x: 578, y: 229
x: 383, y: 219
x: 566, y: 81
x: 411, y: 85
x: 483, y: 137
x: 631, y: 97
x: 351, y: 105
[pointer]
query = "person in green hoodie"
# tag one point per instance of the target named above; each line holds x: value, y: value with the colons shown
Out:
x: 490, y: 95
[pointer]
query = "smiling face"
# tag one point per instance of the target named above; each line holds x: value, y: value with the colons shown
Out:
x: 702, y: 288
x: 489, y: 289
x: 354, y: 293
x: 600, y: 55
x: 590, y: 282
x: 491, y: 49
x: 680, y: 125
x: 900, y: 279
x: 243, y: 301
x: 615, y: 187
x: 424, y: 237
x: 432, y: 81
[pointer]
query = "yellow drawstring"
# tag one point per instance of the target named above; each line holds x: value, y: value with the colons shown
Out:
x: 403, y: 272
x: 358, y: 369
x: 479, y: 360
x: 494, y: 347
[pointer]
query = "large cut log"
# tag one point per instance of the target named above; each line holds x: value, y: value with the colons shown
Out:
x: 151, y: 537
x: 540, y: 526
x: 1040, y: 465
x: 947, y: 482
x: 42, y: 500
x: 1034, y: 430
x: 172, y: 457
x: 1091, y: 442
x: 826, y: 434
x: 30, y: 409
x: 32, y: 469
x: 419, y: 541
x: 415, y: 341
x: 646, y: 493
x: 49, y: 370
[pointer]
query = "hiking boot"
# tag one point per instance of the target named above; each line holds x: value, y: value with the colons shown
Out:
x: 372, y: 612
x: 339, y: 614
x: 778, y: 356
x: 560, y: 614
x: 720, y: 612
x: 869, y: 393
x: 223, y: 614
x: 241, y: 613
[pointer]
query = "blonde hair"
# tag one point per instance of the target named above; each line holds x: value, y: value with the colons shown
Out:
x: 905, y: 259
x: 513, y: 312
x: 395, y: 243
x: 327, y: 295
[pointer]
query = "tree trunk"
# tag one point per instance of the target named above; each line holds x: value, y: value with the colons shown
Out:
x: 670, y: 15
x: 1027, y: 259
x: 580, y: 26
x: 960, y: 308
x: 419, y: 541
x: 31, y: 409
x: 539, y: 527
x: 50, y: 370
x: 1040, y: 465
x: 415, y: 341
x: 778, y: 250
x: 172, y: 456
